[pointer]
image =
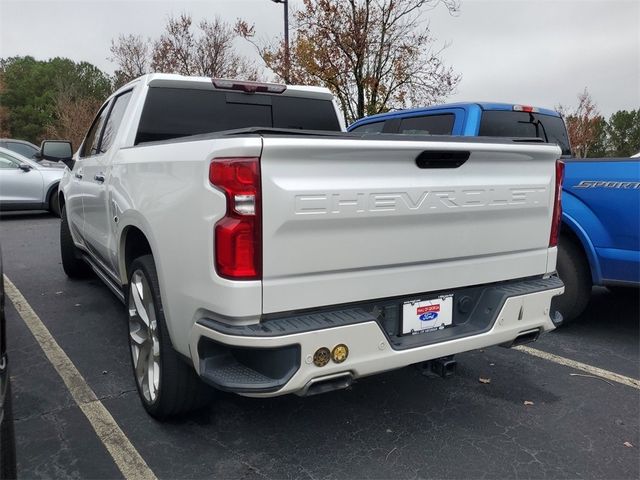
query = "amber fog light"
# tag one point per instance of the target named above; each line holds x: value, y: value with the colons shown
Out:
x: 321, y: 357
x: 340, y: 353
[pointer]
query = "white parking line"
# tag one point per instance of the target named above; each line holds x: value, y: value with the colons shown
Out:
x: 124, y: 454
x: 598, y: 372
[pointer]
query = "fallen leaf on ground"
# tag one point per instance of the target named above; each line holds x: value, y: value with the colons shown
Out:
x: 484, y: 380
x: 628, y: 444
x: 528, y: 402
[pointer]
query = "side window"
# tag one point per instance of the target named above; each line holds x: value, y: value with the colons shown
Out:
x: 375, y: 127
x: 8, y: 162
x: 22, y: 148
x: 90, y: 144
x: 441, y: 124
x: 114, y: 120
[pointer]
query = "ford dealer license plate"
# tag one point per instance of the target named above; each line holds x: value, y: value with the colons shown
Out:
x: 419, y: 316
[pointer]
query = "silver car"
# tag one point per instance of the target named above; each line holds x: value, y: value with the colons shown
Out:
x: 27, y: 149
x: 26, y: 185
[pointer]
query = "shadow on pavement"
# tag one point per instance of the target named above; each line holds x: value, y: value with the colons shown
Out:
x: 25, y: 215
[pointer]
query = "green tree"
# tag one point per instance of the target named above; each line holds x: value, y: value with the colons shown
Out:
x: 4, y: 112
x: 32, y: 88
x: 599, y: 147
x: 623, y: 131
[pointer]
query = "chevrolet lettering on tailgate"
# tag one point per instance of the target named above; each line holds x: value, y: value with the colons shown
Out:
x: 362, y: 202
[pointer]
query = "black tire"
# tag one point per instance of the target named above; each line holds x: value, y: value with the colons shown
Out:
x: 8, y: 440
x: 179, y: 389
x: 573, y: 269
x: 72, y: 263
x: 54, y: 205
x: 624, y: 291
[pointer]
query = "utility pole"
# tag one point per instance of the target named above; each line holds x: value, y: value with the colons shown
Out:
x: 287, y: 58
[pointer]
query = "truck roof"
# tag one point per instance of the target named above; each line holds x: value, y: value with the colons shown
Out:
x: 171, y: 80
x: 463, y: 105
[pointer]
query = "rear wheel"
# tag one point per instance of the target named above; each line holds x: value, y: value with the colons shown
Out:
x: 166, y: 385
x: 54, y: 206
x: 574, y: 271
x: 72, y: 263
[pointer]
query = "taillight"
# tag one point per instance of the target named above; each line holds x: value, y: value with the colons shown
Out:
x: 238, y: 236
x: 557, y: 205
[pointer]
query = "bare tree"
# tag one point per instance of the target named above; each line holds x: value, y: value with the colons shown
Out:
x: 207, y: 50
x: 215, y: 54
x: 583, y: 124
x: 174, y: 51
x: 373, y: 54
x: 73, y: 116
x: 132, y: 55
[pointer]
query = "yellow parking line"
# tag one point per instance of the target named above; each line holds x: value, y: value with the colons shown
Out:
x: 598, y: 372
x: 124, y: 454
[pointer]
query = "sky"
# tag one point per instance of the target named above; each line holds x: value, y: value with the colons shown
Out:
x: 537, y: 52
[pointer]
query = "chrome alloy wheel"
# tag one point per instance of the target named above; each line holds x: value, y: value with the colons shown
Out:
x: 143, y: 336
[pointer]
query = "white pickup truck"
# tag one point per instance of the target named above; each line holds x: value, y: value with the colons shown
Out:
x: 263, y: 250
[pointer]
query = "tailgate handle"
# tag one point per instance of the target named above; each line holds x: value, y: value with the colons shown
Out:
x: 442, y: 158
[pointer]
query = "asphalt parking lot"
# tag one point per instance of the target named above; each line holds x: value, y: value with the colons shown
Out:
x: 401, y: 424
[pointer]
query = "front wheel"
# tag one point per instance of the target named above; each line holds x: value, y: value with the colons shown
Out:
x: 166, y: 385
x: 72, y: 263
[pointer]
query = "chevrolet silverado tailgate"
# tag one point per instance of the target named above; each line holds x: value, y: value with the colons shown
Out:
x: 350, y: 219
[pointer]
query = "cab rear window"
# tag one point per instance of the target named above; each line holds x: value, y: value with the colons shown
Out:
x: 179, y: 112
x: 505, y: 123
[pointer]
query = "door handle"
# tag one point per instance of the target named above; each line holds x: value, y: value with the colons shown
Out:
x: 78, y: 174
x: 99, y: 177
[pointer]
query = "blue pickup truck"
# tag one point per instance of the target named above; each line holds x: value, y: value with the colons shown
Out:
x: 600, y: 236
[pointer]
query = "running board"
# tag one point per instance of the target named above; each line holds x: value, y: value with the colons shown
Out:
x: 115, y: 289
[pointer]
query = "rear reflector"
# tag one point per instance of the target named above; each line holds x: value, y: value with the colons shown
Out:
x: 557, y: 205
x: 238, y: 236
x: 248, y: 87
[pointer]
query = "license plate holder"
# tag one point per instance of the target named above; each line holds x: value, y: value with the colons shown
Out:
x: 423, y: 316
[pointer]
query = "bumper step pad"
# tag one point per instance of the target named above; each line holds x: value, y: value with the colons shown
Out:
x: 293, y: 324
